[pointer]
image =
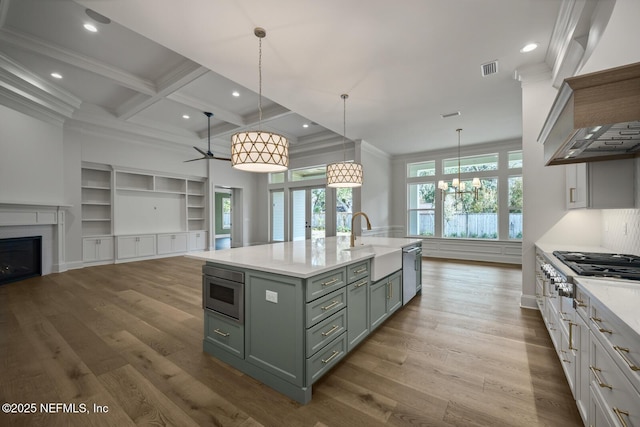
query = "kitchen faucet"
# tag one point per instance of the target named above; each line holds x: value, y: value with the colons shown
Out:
x: 353, y: 235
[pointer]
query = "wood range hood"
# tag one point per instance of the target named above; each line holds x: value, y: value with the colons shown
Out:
x: 595, y: 117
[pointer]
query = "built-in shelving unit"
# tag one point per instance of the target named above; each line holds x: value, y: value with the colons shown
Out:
x: 196, y: 204
x: 96, y: 201
x: 134, y: 214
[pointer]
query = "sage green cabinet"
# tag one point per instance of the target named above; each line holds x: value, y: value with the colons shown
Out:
x: 225, y: 334
x: 385, y: 297
x: 275, y: 325
x: 357, y: 312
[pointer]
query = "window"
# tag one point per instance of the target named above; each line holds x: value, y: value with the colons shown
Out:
x: 515, y: 159
x: 421, y: 169
x: 317, y: 172
x: 515, y: 207
x: 422, y: 209
x: 495, y: 214
x: 486, y: 162
x: 276, y: 178
x: 226, y: 213
x: 344, y: 209
x: 464, y: 217
x: 277, y: 216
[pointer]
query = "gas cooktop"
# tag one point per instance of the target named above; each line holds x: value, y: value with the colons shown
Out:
x: 599, y: 264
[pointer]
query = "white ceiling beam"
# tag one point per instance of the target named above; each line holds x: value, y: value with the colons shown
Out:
x: 172, y: 81
x: 218, y: 111
x: 4, y: 11
x: 58, y: 53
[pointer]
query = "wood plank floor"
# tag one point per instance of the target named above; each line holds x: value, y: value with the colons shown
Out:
x: 128, y: 338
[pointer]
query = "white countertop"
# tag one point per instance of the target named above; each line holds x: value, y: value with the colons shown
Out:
x: 304, y: 258
x: 621, y: 297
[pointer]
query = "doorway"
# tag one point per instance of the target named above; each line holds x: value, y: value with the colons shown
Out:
x: 308, y: 213
x: 223, y: 223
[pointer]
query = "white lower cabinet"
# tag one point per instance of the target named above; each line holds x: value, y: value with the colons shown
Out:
x: 197, y: 240
x: 172, y: 243
x: 136, y: 246
x: 96, y: 249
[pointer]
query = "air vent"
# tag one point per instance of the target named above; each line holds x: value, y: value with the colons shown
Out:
x: 489, y: 68
x: 444, y: 116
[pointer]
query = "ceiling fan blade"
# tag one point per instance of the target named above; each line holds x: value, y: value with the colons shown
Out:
x: 193, y: 160
x: 200, y: 151
x: 221, y: 158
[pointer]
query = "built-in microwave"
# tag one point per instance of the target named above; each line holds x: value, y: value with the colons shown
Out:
x: 223, y: 292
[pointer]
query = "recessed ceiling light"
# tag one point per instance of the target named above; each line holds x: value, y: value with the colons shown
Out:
x: 185, y: 116
x: 56, y: 75
x: 306, y: 125
x: 90, y: 27
x: 235, y: 93
x: 529, y: 47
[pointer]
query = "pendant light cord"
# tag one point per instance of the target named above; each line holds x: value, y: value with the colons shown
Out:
x: 344, y: 97
x: 260, y: 83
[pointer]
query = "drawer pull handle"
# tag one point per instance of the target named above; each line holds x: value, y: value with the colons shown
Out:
x: 330, y: 358
x: 360, y: 270
x: 571, y: 325
x: 600, y: 328
x: 330, y: 306
x: 621, y: 351
x: 595, y: 374
x: 580, y: 303
x: 330, y: 331
x: 619, y: 414
x: 357, y: 285
x: 219, y: 332
x: 330, y: 282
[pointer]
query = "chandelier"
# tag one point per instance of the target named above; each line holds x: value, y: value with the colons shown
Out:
x: 457, y: 184
x: 257, y: 150
x: 344, y: 173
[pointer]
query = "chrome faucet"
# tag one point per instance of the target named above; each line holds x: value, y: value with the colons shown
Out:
x: 353, y: 235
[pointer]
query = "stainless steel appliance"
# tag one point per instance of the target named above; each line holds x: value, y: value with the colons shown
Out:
x: 411, y: 272
x: 597, y: 264
x: 223, y: 292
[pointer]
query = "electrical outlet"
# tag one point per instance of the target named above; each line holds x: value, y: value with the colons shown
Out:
x: 272, y: 296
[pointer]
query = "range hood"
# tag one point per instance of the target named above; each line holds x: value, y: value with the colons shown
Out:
x: 595, y: 117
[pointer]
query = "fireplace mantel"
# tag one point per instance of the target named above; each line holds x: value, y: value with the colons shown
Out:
x: 30, y: 215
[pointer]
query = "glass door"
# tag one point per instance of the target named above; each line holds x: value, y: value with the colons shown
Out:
x: 308, y: 213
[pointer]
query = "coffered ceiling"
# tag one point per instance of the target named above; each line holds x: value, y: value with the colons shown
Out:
x: 403, y: 64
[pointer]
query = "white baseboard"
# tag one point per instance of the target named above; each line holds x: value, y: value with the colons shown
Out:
x: 528, y: 301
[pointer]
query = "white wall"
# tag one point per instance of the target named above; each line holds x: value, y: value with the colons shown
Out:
x: 376, y: 190
x: 31, y: 160
x: 543, y: 186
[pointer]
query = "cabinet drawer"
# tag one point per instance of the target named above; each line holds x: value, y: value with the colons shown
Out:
x: 620, y: 399
x: 582, y: 302
x: 324, y: 307
x: 326, y: 331
x: 325, y: 283
x: 618, y: 341
x: 326, y: 359
x: 223, y: 333
x: 357, y: 271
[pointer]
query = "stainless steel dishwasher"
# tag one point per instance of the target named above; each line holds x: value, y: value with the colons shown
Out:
x: 411, y: 272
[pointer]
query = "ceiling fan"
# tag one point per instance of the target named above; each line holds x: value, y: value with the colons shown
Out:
x: 208, y: 155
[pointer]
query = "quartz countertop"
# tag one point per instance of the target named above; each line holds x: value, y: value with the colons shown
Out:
x: 304, y: 258
x: 621, y: 297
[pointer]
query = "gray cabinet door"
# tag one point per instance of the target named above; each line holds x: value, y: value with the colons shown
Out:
x: 394, y: 301
x: 357, y: 312
x: 377, y: 303
x: 274, y: 325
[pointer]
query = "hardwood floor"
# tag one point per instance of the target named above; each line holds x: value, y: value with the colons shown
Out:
x: 128, y: 338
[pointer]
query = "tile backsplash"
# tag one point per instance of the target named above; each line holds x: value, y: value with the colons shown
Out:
x: 621, y: 230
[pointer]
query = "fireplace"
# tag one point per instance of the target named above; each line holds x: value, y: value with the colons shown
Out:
x: 20, y: 258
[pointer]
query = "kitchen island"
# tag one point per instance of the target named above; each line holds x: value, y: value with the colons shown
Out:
x: 302, y: 305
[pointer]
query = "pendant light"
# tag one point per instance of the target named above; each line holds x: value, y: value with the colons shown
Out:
x: 344, y: 173
x: 257, y: 150
x: 457, y: 184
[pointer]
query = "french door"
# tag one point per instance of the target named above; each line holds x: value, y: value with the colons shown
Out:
x: 308, y: 213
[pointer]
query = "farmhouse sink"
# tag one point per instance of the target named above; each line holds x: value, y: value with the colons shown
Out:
x: 385, y: 260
